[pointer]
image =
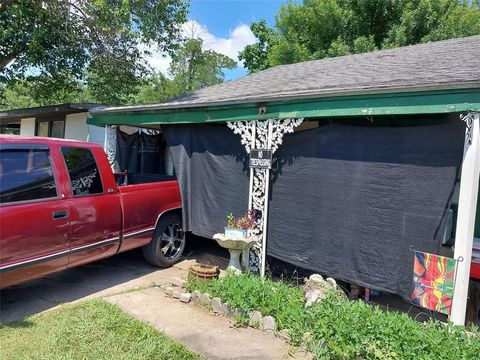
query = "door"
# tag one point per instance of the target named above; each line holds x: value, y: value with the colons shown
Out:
x: 34, y: 218
x: 95, y: 214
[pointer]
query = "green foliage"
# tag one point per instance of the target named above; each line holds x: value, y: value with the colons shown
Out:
x: 156, y: 88
x: 193, y: 67
x: 57, y: 45
x: 316, y: 29
x: 249, y: 292
x: 17, y: 95
x: 25, y: 94
x: 255, y: 56
x: 89, y: 330
x: 344, y: 329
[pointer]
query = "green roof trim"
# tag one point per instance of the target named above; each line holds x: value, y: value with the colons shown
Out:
x: 406, y: 103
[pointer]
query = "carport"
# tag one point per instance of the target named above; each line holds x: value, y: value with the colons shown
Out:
x: 426, y: 91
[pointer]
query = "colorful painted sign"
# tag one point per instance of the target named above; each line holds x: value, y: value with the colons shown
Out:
x: 433, y: 281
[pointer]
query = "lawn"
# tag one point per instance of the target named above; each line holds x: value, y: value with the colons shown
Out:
x: 89, y: 330
x: 342, y: 329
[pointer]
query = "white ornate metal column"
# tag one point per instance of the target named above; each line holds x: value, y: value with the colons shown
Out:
x: 110, y: 144
x: 467, y: 206
x: 261, y: 135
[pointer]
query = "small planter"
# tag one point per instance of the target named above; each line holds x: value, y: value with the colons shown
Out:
x: 236, y: 233
x: 203, y: 272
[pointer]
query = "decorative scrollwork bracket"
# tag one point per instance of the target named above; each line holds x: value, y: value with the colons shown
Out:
x: 468, y: 119
x: 261, y: 134
x: 111, y: 144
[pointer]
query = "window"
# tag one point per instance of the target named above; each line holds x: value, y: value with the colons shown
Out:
x: 50, y: 128
x: 10, y: 129
x: 82, y: 168
x: 26, y: 174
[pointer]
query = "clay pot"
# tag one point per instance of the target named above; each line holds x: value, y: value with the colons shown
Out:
x: 203, y: 272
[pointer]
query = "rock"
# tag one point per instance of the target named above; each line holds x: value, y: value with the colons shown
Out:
x: 236, y: 312
x: 196, y: 297
x: 316, y: 278
x: 313, y: 296
x: 316, y: 289
x: 178, y: 282
x: 227, y: 310
x: 331, y: 282
x: 169, y: 291
x: 307, y: 338
x: 165, y: 286
x: 255, y: 319
x: 205, y: 299
x: 176, y: 294
x: 185, y: 297
x: 217, y: 305
x: 268, y: 324
x: 283, y: 334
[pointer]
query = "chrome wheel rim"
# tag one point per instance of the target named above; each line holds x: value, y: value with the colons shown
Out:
x: 171, y: 241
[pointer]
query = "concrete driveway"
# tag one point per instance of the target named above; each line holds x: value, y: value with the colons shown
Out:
x: 114, y: 275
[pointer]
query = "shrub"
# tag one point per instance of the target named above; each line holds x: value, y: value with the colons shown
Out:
x: 344, y: 329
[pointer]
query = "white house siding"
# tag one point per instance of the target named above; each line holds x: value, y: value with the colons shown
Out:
x: 76, y: 127
x: 96, y: 134
x: 27, y: 127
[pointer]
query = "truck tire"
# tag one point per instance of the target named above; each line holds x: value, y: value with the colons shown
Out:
x: 168, y: 242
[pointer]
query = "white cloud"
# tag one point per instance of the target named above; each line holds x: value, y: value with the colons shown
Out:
x: 237, y: 39
x: 230, y: 46
x: 159, y: 62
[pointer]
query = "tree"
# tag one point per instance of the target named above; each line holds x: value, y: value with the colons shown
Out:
x: 24, y: 94
x: 326, y: 28
x: 61, y: 46
x: 193, y: 67
x: 255, y: 56
x: 155, y: 88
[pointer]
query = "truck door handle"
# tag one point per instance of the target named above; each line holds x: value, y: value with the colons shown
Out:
x: 62, y: 214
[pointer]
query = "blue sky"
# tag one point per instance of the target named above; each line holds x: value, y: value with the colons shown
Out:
x: 222, y: 16
x: 224, y: 27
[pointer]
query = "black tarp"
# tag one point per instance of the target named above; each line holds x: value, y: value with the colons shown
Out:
x: 346, y: 201
x: 140, y: 153
x: 126, y: 156
x: 212, y: 172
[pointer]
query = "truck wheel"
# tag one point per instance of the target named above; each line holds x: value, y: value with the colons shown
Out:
x: 168, y: 242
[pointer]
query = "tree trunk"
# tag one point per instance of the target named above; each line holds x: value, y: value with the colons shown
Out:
x: 9, y: 58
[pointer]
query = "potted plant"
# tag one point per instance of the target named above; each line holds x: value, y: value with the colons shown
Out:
x: 237, y: 228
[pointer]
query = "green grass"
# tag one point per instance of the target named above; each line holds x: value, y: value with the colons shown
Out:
x: 344, y: 329
x: 248, y: 292
x: 89, y: 330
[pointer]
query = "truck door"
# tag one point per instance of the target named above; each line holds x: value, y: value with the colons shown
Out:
x: 34, y: 222
x: 95, y: 215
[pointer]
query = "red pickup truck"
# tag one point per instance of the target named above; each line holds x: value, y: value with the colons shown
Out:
x: 60, y: 207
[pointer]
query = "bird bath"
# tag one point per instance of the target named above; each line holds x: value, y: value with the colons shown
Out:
x: 235, y: 246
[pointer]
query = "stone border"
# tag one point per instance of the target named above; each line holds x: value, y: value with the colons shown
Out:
x: 176, y: 289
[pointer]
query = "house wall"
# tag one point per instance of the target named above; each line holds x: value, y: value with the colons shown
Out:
x: 76, y: 126
x: 27, y: 127
x: 96, y: 134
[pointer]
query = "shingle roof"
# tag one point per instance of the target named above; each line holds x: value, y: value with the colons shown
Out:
x: 60, y: 109
x: 437, y: 65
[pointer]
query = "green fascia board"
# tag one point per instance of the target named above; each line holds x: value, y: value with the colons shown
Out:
x: 433, y: 102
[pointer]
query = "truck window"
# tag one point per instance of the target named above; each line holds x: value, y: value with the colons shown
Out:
x: 83, y: 171
x: 26, y: 174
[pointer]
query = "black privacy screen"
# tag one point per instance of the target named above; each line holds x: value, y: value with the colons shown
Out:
x: 345, y: 201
